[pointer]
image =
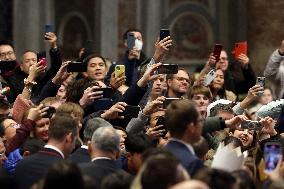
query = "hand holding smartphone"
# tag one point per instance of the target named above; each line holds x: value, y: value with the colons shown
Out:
x: 217, y: 51
x: 48, y: 28
x: 119, y: 71
x: 130, y: 111
x: 164, y: 33
x: 240, y: 48
x: 41, y: 57
x: 261, y: 82
x: 272, y: 153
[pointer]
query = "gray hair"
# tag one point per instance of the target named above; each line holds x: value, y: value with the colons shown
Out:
x: 92, y: 125
x: 106, y: 139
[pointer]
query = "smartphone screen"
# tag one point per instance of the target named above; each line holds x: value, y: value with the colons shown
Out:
x: 164, y: 33
x: 130, y: 40
x: 76, y: 67
x: 217, y: 51
x: 167, y: 69
x: 272, y: 152
x: 41, y: 56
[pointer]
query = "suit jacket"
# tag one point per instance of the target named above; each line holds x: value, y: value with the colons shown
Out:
x: 99, y: 169
x: 190, y: 161
x: 31, y: 169
x: 81, y: 155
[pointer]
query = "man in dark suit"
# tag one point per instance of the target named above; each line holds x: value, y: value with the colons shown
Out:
x: 185, y: 126
x: 104, y: 150
x: 62, y: 134
x: 81, y: 155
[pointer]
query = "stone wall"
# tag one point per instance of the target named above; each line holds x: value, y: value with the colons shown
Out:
x: 265, y: 30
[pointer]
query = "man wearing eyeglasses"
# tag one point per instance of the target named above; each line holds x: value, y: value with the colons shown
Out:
x: 178, y: 84
x: 7, y: 51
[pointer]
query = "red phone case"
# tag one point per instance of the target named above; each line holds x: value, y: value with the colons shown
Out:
x: 240, y: 48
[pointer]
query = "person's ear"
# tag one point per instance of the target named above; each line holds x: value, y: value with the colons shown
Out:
x: 69, y: 138
x: 26, y: 153
x: 90, y: 147
x: 128, y: 155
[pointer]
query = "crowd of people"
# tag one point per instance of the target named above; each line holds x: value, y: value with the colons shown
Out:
x: 59, y: 129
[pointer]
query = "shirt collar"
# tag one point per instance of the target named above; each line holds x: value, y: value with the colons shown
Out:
x: 94, y: 159
x: 189, y: 147
x: 54, y: 148
x: 84, y: 146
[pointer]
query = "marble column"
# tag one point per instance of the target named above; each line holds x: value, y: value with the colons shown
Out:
x: 106, y: 28
x: 30, y: 17
x: 152, y: 18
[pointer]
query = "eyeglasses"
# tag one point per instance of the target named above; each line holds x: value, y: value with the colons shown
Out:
x: 9, y: 53
x: 182, y: 79
x: 14, y: 125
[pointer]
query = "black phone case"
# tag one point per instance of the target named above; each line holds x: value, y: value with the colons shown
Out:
x: 164, y: 33
x: 130, y: 111
x: 76, y: 67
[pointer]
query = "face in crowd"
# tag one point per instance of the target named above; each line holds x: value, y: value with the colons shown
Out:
x: 201, y: 101
x: 7, y: 53
x: 41, y: 129
x: 159, y: 85
x: 29, y: 59
x: 246, y: 136
x: 218, y: 81
x: 266, y: 97
x: 223, y: 63
x: 179, y: 84
x: 96, y: 69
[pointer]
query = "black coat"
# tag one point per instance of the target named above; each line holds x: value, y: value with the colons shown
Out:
x: 81, y: 155
x: 99, y: 169
x: 31, y: 169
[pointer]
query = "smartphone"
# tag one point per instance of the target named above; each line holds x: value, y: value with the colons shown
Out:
x: 48, y: 28
x: 209, y: 77
x: 217, y: 51
x: 260, y: 81
x: 119, y: 70
x: 130, y: 111
x: 167, y: 101
x: 77, y: 67
x: 161, y: 121
x: 130, y: 40
x: 41, y: 56
x: 49, y: 112
x: 251, y: 125
x: 240, y: 48
x: 167, y: 69
x: 107, y: 92
x: 272, y: 153
x: 164, y: 33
